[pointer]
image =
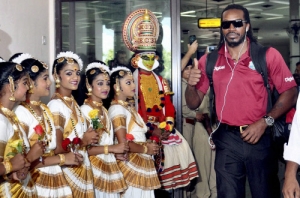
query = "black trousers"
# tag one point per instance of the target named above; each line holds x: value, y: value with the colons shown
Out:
x: 237, y: 160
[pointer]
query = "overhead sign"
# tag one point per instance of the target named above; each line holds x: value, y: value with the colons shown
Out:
x: 209, y: 23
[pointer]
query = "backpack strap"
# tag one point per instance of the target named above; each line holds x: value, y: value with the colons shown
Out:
x: 258, y: 56
x: 211, y: 60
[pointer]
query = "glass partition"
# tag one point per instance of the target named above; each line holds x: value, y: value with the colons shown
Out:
x: 93, y: 29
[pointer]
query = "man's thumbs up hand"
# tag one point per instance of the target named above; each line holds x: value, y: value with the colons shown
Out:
x: 195, y: 74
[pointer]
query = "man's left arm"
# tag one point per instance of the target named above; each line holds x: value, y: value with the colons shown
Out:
x: 286, y: 86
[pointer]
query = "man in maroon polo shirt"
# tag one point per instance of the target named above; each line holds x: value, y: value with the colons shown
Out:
x: 241, y: 99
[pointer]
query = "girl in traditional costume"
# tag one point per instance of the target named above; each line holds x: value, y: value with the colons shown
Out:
x: 138, y: 170
x: 37, y: 121
x: 15, y: 163
x: 70, y: 124
x: 13, y: 88
x: 108, y: 179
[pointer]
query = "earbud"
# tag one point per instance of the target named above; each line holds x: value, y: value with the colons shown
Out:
x: 246, y: 30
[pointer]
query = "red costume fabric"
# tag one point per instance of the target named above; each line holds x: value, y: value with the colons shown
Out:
x: 175, y: 165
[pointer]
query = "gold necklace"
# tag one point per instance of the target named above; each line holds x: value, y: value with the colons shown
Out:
x: 98, y: 105
x: 130, y: 109
x: 13, y: 119
x: 63, y: 99
x: 41, y: 121
x: 35, y: 103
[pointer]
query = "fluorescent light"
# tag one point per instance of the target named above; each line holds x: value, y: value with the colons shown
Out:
x: 100, y: 12
x: 272, y: 14
x: 255, y: 9
x: 284, y: 7
x: 157, y: 12
x: 82, y: 27
x: 115, y: 22
x: 271, y: 18
x: 185, y: 15
x: 256, y: 3
x: 188, y: 12
x: 281, y: 2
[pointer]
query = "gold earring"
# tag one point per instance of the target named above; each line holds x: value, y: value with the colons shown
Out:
x: 12, y: 89
x: 117, y: 87
x: 117, y: 91
x: 30, y: 89
x: 57, y: 83
x: 88, y: 86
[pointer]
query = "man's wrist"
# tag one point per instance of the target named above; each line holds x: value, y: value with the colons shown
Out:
x: 191, y: 86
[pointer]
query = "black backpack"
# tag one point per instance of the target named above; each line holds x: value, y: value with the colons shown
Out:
x: 280, y: 130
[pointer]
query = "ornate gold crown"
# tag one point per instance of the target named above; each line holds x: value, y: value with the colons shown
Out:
x: 140, y: 31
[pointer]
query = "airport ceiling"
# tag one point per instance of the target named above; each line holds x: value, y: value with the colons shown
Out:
x: 269, y: 19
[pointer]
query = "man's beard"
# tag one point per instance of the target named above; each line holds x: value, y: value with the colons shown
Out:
x: 235, y: 43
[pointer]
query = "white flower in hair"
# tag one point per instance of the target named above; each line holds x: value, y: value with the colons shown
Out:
x: 118, y: 68
x: 1, y: 60
x: 97, y: 65
x: 21, y: 57
x: 70, y: 54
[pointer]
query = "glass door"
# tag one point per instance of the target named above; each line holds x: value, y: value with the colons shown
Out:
x: 93, y: 29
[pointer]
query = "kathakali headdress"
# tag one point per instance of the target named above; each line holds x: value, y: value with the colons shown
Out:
x: 140, y: 33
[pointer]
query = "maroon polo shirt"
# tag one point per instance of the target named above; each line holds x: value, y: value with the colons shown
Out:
x: 241, y: 97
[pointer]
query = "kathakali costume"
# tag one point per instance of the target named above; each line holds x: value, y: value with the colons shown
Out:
x: 175, y: 164
x: 69, y: 120
x: 139, y: 170
x: 13, y: 136
x: 50, y: 180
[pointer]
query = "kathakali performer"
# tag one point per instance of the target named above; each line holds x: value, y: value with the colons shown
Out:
x: 175, y: 163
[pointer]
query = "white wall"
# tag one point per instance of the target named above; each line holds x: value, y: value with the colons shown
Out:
x: 22, y: 25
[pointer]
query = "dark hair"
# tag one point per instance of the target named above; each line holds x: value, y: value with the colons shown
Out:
x: 14, y: 56
x: 91, y: 77
x: 28, y: 63
x: 9, y: 69
x: 81, y: 92
x: 119, y: 52
x: 60, y: 65
x: 249, y: 33
x: 298, y: 63
x: 113, y: 79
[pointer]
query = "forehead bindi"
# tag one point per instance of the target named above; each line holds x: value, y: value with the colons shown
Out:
x: 233, y: 14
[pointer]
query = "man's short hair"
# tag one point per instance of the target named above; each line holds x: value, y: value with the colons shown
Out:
x: 119, y: 52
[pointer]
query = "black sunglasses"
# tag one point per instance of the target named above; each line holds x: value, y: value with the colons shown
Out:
x: 236, y: 23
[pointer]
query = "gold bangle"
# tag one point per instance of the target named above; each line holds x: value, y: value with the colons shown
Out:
x: 7, y: 165
x: 62, y: 158
x: 145, y: 149
x: 105, y: 149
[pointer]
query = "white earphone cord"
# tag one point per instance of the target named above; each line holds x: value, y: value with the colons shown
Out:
x: 224, y: 99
